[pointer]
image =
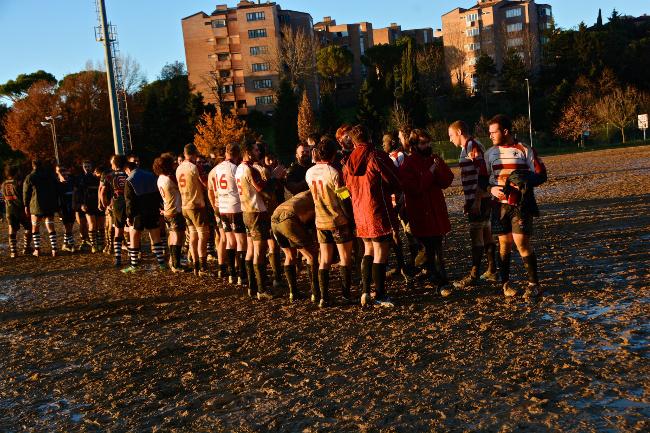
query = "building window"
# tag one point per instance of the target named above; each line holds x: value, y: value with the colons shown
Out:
x: 544, y: 40
x: 255, y: 16
x: 222, y: 57
x: 212, y: 56
x: 515, y: 42
x: 259, y: 67
x: 263, y: 84
x: 342, y: 34
x: 472, y: 17
x: 516, y: 27
x: 222, y: 41
x: 471, y: 32
x: 545, y: 12
x: 218, y: 23
x: 473, y: 46
x: 240, y: 85
x: 284, y: 19
x: 228, y: 88
x: 264, y: 100
x: 256, y: 51
x: 224, y: 73
x: 257, y: 33
x: 514, y: 12
x: 241, y: 103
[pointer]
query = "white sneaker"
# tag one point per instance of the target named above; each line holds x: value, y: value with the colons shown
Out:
x: 384, y: 301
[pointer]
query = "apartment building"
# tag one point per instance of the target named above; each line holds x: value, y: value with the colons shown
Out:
x: 493, y: 27
x: 357, y: 38
x: 229, y: 53
x: 390, y: 34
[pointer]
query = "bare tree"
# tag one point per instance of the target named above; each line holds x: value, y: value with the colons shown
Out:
x: 431, y: 67
x: 214, y: 82
x: 132, y: 76
x: 295, y: 56
x: 620, y: 107
x: 455, y: 55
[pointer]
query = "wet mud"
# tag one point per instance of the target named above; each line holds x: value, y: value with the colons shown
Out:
x: 86, y: 348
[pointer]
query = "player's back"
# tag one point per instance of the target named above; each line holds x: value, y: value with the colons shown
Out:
x: 190, y: 186
x: 323, y: 181
x: 226, y: 187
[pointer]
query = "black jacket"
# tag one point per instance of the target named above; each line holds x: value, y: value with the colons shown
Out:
x: 141, y: 194
x: 41, y: 192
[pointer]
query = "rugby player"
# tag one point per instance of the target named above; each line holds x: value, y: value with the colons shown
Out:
x: 163, y: 166
x: 113, y: 187
x: 66, y: 211
x: 474, y: 179
x: 40, y: 197
x: 11, y: 190
x: 514, y: 170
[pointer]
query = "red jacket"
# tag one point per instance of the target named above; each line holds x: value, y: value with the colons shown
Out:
x: 424, y: 201
x: 371, y: 177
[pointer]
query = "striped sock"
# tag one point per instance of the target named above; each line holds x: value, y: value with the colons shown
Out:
x: 159, y: 252
x: 13, y: 244
x: 100, y: 240
x: 93, y: 239
x: 52, y: 236
x: 117, y: 248
x: 133, y: 256
x: 36, y: 237
x: 211, y: 250
x: 68, y: 240
x: 27, y: 240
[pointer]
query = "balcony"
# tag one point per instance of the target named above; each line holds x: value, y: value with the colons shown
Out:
x: 235, y: 48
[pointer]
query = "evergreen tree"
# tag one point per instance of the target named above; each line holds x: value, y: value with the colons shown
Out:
x: 407, y: 91
x: 328, y: 118
x: 306, y: 119
x: 368, y: 113
x: 599, y: 20
x: 285, y: 121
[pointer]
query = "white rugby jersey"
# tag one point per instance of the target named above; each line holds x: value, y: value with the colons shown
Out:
x: 250, y: 184
x: 472, y: 165
x: 224, y: 186
x: 323, y: 180
x: 501, y: 161
x: 170, y: 194
x: 190, y: 185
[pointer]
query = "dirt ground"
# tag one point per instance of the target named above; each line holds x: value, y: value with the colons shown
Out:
x: 86, y: 348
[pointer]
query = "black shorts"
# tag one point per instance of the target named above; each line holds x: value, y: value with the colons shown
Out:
x: 339, y: 235
x: 146, y: 222
x: 16, y: 221
x: 67, y: 213
x: 119, y: 214
x: 175, y: 223
x: 233, y: 222
x: 508, y: 219
x: 292, y: 233
x: 258, y: 225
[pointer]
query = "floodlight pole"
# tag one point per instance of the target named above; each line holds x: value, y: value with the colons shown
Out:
x: 110, y: 75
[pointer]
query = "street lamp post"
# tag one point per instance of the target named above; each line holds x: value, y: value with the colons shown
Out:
x: 530, y: 121
x: 52, y: 126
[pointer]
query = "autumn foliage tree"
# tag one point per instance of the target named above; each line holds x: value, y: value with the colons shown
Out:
x: 306, y: 118
x: 214, y: 132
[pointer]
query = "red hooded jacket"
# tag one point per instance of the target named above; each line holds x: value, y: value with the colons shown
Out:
x: 371, y: 177
x: 424, y: 200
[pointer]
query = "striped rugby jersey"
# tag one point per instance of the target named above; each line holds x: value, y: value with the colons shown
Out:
x: 398, y: 157
x: 472, y: 165
x: 501, y: 161
x: 250, y: 185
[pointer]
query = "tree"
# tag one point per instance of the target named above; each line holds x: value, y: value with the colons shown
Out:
x: 333, y: 62
x: 23, y: 130
x: 513, y: 73
x: 328, y: 115
x: 599, y: 20
x: 18, y: 88
x: 368, y: 113
x: 306, y: 119
x: 577, y: 115
x: 132, y: 77
x: 407, y: 91
x: 485, y: 71
x: 285, y: 121
x: 172, y: 70
x: 215, y: 131
x: 619, y: 107
x: 431, y: 67
x: 294, y: 57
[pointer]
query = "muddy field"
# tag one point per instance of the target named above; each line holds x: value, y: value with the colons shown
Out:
x: 86, y: 348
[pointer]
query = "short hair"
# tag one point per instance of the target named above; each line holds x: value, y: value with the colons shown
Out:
x: 304, y: 144
x: 326, y: 149
x: 119, y: 161
x: 418, y: 135
x: 164, y: 164
x: 388, y: 138
x: 86, y: 161
x: 314, y: 136
x: 248, y: 147
x: 343, y: 129
x: 233, y: 149
x: 502, y: 120
x: 131, y: 165
x: 461, y: 126
x: 190, y: 149
x: 359, y: 134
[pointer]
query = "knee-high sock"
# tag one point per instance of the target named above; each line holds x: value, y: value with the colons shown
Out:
x: 530, y: 263
x: 324, y: 283
x: 159, y: 252
x: 36, y: 237
x: 134, y: 256
x: 379, y: 278
x: 230, y: 256
x: 313, y: 280
x: 53, y: 243
x: 27, y: 240
x: 366, y: 273
x: 504, y: 267
x: 290, y: 274
x: 490, y: 252
x: 250, y: 272
x: 117, y: 249
x: 100, y: 240
x: 13, y: 244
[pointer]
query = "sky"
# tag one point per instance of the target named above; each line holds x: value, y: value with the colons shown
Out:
x: 58, y: 35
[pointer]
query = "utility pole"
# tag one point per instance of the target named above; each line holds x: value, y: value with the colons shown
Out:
x: 530, y: 121
x: 105, y: 38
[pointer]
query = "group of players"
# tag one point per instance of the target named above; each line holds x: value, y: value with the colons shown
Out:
x: 343, y: 200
